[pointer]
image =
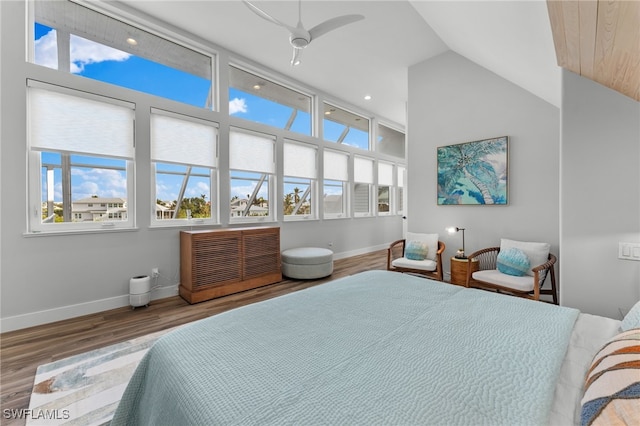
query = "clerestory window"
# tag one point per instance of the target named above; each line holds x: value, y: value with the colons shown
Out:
x: 76, y: 39
x: 344, y: 127
x: 258, y: 99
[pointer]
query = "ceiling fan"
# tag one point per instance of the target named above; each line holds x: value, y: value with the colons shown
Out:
x: 299, y: 37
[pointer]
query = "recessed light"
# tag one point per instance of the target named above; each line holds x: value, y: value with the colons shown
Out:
x: 256, y: 86
x: 132, y: 41
x: 367, y: 97
x: 327, y: 113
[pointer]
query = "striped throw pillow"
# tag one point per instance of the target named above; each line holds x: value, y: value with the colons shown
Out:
x: 612, y: 387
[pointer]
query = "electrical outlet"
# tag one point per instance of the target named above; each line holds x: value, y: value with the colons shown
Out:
x: 155, y: 272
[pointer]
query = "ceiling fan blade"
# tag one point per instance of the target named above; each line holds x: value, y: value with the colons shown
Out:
x: 332, y: 24
x: 297, y: 55
x: 265, y: 15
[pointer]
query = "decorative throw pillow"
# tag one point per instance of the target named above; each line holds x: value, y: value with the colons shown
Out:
x: 431, y: 240
x: 416, y: 250
x: 538, y: 253
x: 513, y: 261
x: 632, y: 319
x: 612, y: 386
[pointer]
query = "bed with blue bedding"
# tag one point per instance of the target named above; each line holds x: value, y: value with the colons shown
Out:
x: 374, y: 348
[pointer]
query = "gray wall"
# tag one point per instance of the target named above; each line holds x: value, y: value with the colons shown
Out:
x: 453, y: 100
x: 600, y: 197
x: 46, y: 278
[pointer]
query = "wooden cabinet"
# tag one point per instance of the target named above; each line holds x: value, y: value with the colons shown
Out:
x: 459, y: 270
x: 215, y: 263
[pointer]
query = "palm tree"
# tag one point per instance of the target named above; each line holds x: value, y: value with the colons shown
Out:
x: 468, y: 161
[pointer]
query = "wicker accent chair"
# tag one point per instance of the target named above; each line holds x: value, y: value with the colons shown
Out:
x: 527, y: 286
x: 431, y: 267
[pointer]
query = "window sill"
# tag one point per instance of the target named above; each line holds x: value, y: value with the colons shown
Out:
x: 36, y: 234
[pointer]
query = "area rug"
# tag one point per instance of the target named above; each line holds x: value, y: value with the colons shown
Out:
x: 85, y: 389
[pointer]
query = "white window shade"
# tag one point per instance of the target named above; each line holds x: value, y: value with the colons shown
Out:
x: 176, y: 140
x: 64, y: 122
x: 385, y: 174
x: 251, y: 152
x: 362, y: 170
x: 336, y: 165
x: 400, y: 177
x: 299, y: 160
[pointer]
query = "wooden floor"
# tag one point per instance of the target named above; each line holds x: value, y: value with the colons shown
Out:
x: 22, y: 351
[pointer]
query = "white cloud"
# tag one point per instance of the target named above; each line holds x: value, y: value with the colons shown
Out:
x: 46, y: 50
x: 85, y: 52
x: 101, y: 182
x: 237, y: 105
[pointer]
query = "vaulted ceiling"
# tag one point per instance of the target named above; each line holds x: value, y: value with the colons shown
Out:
x: 510, y: 38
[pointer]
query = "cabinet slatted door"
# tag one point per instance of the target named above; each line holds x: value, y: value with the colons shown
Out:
x: 261, y: 252
x: 215, y: 263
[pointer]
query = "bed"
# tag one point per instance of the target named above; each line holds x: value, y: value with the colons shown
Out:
x: 378, y: 347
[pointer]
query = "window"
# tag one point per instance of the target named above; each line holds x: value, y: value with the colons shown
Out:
x: 400, y: 193
x: 252, y: 168
x: 363, y: 184
x: 344, y: 127
x: 385, y: 187
x: 260, y: 100
x: 76, y: 39
x: 299, y: 180
x: 336, y: 182
x: 390, y: 141
x: 81, y: 153
x: 184, y: 160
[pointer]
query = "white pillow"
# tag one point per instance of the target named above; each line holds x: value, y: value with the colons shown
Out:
x: 538, y: 253
x: 430, y: 239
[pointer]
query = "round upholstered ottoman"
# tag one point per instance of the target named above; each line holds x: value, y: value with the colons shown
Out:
x: 307, y: 262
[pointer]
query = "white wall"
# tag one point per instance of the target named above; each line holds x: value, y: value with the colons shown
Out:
x: 453, y: 100
x: 600, y: 197
x: 47, y: 278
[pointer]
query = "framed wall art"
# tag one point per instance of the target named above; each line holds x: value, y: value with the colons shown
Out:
x: 474, y: 173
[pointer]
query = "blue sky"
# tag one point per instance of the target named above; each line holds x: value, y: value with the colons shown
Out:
x: 100, y: 62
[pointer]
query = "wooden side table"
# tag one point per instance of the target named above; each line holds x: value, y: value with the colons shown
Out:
x: 459, y: 270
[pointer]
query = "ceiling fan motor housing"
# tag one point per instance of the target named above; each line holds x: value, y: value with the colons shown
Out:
x: 299, y: 41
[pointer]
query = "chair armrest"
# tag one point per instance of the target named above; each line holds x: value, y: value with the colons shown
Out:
x: 390, y: 251
x: 395, y: 243
x: 548, y: 264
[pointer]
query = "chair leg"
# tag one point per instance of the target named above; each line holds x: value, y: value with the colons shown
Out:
x: 553, y: 286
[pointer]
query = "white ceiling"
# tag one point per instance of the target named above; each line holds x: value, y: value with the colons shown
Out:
x: 372, y: 56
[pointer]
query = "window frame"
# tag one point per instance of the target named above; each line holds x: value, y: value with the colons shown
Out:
x: 214, y: 193
x: 35, y: 166
x: 346, y: 185
x: 391, y: 189
x: 370, y: 187
x: 269, y: 178
x: 313, y: 183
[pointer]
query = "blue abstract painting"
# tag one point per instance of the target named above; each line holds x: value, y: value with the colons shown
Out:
x: 474, y: 173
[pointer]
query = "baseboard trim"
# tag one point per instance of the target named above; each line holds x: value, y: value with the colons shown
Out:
x: 360, y: 251
x: 32, y: 319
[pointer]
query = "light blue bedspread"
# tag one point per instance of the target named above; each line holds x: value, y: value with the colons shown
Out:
x: 375, y: 348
